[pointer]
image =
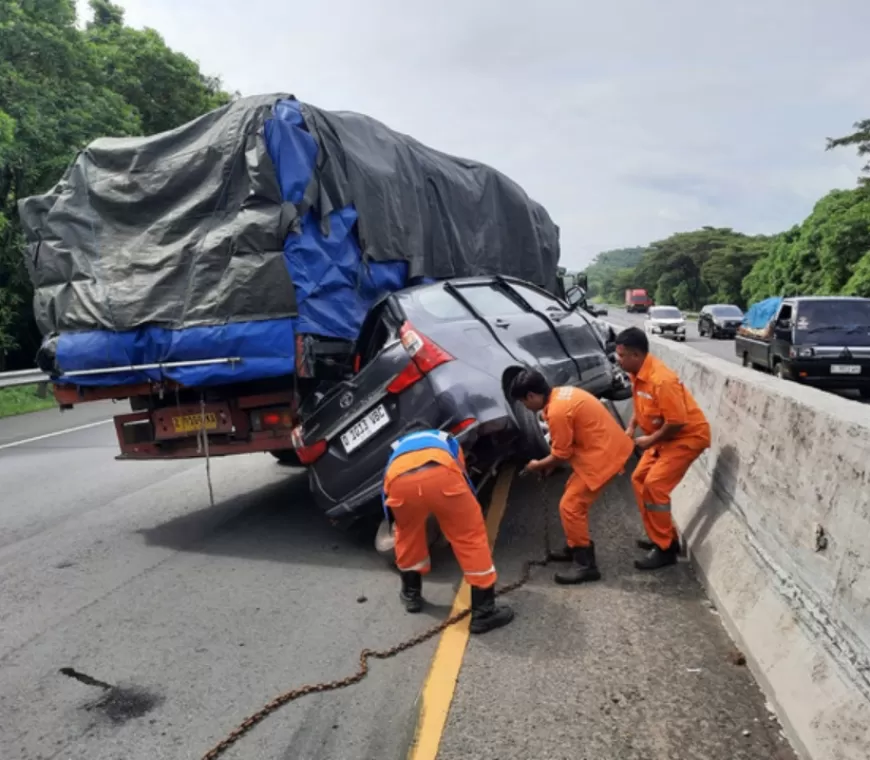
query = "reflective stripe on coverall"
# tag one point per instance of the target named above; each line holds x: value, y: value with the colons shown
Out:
x: 659, y: 398
x: 585, y: 433
x: 427, y: 476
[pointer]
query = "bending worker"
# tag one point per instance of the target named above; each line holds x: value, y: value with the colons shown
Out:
x: 426, y: 475
x: 675, y: 432
x: 584, y: 433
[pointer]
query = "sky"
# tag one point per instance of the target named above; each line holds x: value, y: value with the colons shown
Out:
x: 628, y: 121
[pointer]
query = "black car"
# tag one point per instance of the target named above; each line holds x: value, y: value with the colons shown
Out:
x: 719, y: 320
x: 443, y: 356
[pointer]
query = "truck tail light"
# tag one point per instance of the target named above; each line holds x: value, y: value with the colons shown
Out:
x: 272, y: 419
x: 307, y: 454
x: 425, y: 355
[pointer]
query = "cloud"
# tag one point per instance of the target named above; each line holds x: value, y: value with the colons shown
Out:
x: 629, y: 121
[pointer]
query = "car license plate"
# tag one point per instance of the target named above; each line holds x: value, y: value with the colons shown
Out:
x: 192, y: 423
x: 365, y: 428
x: 845, y: 369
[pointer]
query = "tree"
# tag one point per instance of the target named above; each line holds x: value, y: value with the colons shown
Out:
x: 60, y: 88
x: 859, y: 138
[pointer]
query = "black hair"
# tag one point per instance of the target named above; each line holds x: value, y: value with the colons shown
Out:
x: 529, y: 381
x: 633, y: 338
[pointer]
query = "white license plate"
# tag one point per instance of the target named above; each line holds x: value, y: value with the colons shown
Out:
x: 845, y: 369
x: 364, y: 428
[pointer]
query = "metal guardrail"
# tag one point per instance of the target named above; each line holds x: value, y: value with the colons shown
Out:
x: 23, y: 377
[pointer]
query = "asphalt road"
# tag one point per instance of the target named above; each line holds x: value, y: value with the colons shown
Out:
x: 200, y: 614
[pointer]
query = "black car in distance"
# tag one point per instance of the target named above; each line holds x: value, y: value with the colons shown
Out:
x: 719, y: 320
x: 443, y: 356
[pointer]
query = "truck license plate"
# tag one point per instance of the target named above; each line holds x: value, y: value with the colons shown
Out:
x: 365, y: 428
x: 192, y: 423
x: 845, y: 369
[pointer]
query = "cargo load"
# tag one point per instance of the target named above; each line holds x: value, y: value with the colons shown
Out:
x: 209, y: 254
x: 758, y: 320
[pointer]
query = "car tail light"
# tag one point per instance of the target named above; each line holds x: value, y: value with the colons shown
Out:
x: 464, y: 425
x: 307, y: 454
x: 425, y: 355
x: 272, y: 419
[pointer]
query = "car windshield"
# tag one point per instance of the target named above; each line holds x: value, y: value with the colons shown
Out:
x: 833, y: 315
x: 665, y: 312
x: 726, y: 311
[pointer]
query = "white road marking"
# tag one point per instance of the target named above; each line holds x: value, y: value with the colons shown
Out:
x: 56, y: 433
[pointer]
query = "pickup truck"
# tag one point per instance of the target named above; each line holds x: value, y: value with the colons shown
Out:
x: 821, y: 341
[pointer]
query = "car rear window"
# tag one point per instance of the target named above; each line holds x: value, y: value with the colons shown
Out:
x: 726, y: 311
x: 490, y: 302
x: 435, y: 302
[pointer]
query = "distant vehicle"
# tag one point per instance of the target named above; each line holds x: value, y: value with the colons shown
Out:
x: 822, y: 341
x: 637, y: 300
x: 719, y: 320
x: 667, y: 322
x: 443, y: 356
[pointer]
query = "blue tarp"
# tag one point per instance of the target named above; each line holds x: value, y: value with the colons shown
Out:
x: 263, y: 220
x: 758, y: 315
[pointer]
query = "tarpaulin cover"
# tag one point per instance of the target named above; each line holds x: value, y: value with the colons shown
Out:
x: 263, y: 219
x: 758, y: 315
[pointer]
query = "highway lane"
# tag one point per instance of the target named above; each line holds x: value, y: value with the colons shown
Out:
x: 125, y: 572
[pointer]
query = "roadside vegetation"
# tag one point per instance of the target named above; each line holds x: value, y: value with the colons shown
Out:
x: 827, y: 254
x: 24, y: 399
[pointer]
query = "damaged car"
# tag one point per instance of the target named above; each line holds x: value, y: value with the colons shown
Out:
x: 443, y: 356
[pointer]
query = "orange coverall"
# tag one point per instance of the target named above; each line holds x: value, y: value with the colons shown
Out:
x: 660, y: 397
x: 585, y: 433
x: 430, y: 481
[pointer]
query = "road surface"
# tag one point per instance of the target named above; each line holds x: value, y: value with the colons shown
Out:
x: 199, y: 614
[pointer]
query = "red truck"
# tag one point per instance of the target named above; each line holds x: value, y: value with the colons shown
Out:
x: 637, y: 300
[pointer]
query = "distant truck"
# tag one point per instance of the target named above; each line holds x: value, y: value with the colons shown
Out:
x: 637, y: 300
x: 821, y: 341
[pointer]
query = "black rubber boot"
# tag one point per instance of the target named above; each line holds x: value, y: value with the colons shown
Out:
x: 583, y: 569
x: 486, y: 615
x: 648, y: 546
x: 561, y: 555
x: 412, y: 591
x: 657, y: 558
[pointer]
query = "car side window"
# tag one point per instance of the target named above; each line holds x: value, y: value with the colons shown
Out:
x: 537, y: 300
x: 490, y: 302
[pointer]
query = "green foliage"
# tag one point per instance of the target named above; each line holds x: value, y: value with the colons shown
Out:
x: 860, y: 138
x: 60, y: 88
x: 23, y: 399
x: 611, y: 273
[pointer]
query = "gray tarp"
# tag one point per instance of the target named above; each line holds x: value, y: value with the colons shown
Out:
x: 186, y: 228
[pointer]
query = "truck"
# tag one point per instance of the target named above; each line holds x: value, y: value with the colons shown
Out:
x: 820, y: 341
x: 637, y: 300
x: 215, y: 277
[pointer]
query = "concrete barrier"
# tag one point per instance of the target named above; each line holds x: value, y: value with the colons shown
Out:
x: 776, y: 516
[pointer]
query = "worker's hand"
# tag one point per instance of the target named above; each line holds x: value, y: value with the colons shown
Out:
x: 536, y: 465
x: 631, y: 429
x: 644, y: 442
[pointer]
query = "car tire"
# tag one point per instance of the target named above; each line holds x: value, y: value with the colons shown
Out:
x: 533, y: 437
x: 287, y: 457
x: 385, y: 544
x: 780, y: 371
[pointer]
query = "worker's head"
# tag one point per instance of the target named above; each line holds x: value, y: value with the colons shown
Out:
x: 632, y: 347
x: 531, y: 389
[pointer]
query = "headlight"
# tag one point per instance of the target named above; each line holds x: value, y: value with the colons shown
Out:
x: 803, y: 353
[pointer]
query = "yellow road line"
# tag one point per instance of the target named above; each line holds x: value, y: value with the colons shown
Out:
x: 440, y: 684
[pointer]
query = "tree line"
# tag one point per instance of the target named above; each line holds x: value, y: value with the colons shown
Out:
x: 63, y: 85
x: 827, y: 254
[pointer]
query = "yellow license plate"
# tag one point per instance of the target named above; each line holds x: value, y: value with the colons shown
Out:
x: 192, y: 423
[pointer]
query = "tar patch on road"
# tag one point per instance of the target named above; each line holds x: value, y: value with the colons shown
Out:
x: 118, y: 704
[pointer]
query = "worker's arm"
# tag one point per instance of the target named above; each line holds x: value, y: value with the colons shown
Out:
x: 672, y: 405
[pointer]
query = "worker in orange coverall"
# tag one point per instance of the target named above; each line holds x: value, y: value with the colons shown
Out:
x: 584, y: 433
x: 426, y: 474
x: 675, y: 432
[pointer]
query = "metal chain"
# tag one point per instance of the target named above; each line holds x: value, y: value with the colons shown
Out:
x: 370, y: 654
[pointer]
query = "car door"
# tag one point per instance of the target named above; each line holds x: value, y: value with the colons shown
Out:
x: 577, y: 333
x: 527, y: 336
x: 781, y: 336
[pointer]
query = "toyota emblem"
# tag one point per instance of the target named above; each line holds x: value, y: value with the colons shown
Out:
x: 346, y: 400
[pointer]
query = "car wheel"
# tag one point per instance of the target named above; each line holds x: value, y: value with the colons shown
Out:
x: 780, y: 371
x: 534, y: 432
x: 385, y: 538
x: 287, y: 457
